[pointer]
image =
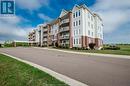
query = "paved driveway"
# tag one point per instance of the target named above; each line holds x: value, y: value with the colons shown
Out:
x: 92, y: 70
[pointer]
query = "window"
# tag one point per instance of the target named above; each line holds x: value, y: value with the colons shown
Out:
x: 79, y: 22
x: 88, y: 32
x: 99, y: 35
x: 91, y: 18
x: 79, y: 40
x: 79, y: 12
x: 76, y: 41
x: 89, y: 24
x: 76, y: 31
x: 73, y: 15
x: 98, y: 27
x: 76, y: 23
x: 88, y: 15
x: 76, y: 14
x: 92, y: 33
x: 79, y: 31
x: 92, y: 26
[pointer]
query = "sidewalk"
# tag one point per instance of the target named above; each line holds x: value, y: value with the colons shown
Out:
x: 85, y: 53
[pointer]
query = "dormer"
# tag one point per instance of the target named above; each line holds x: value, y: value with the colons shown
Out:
x: 63, y: 12
x: 76, y: 7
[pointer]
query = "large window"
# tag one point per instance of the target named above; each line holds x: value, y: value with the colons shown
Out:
x: 76, y: 32
x: 88, y: 15
x: 89, y: 32
x: 89, y: 24
x: 79, y: 12
x: 91, y: 18
x: 92, y: 26
x: 73, y: 15
x: 79, y: 31
x: 79, y: 22
x: 76, y: 14
x: 92, y: 33
x: 76, y: 41
x: 76, y: 23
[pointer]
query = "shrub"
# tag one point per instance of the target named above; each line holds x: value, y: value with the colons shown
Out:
x: 92, y: 45
x: 114, y: 47
x: 56, y: 44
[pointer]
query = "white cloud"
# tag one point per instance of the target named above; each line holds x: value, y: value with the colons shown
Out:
x: 115, y: 13
x: 9, y: 28
x: 31, y: 4
x: 44, y: 17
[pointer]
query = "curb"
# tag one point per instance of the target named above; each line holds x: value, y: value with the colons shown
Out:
x: 58, y: 76
x: 92, y: 54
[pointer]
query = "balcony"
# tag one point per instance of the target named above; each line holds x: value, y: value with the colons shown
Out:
x: 45, y: 30
x: 44, y: 39
x: 64, y: 37
x: 64, y: 29
x: 64, y: 43
x: 45, y: 35
x: 64, y: 21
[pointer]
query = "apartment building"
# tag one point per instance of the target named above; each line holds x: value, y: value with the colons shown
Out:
x: 32, y: 38
x: 65, y: 37
x: 87, y: 27
x: 74, y: 28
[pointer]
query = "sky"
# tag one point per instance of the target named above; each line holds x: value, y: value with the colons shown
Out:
x: 30, y: 13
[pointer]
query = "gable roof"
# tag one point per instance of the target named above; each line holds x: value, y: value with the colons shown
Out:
x: 63, y: 12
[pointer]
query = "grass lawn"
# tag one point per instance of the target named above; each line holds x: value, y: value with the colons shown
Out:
x: 16, y: 73
x: 125, y: 50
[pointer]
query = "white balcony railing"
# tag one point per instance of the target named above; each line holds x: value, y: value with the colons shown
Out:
x: 64, y: 29
x: 45, y: 34
x: 44, y: 39
x: 64, y: 37
x: 65, y: 21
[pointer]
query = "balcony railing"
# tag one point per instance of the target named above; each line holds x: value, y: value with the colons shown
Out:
x: 64, y: 21
x: 45, y: 34
x: 64, y: 37
x: 45, y: 39
x: 44, y: 30
x: 64, y: 29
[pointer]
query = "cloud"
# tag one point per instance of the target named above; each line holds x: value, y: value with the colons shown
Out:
x: 115, y: 13
x: 9, y: 28
x: 31, y: 4
x: 45, y: 17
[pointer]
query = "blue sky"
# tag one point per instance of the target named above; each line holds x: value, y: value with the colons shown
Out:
x: 30, y: 13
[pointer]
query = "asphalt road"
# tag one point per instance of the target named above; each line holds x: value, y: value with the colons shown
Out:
x: 92, y: 70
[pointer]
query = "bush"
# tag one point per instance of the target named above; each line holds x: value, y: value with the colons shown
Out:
x: 112, y: 48
x: 8, y: 45
x: 92, y: 46
x: 56, y: 44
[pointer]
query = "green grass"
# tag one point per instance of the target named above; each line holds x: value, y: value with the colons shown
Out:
x: 124, y: 50
x: 16, y: 73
